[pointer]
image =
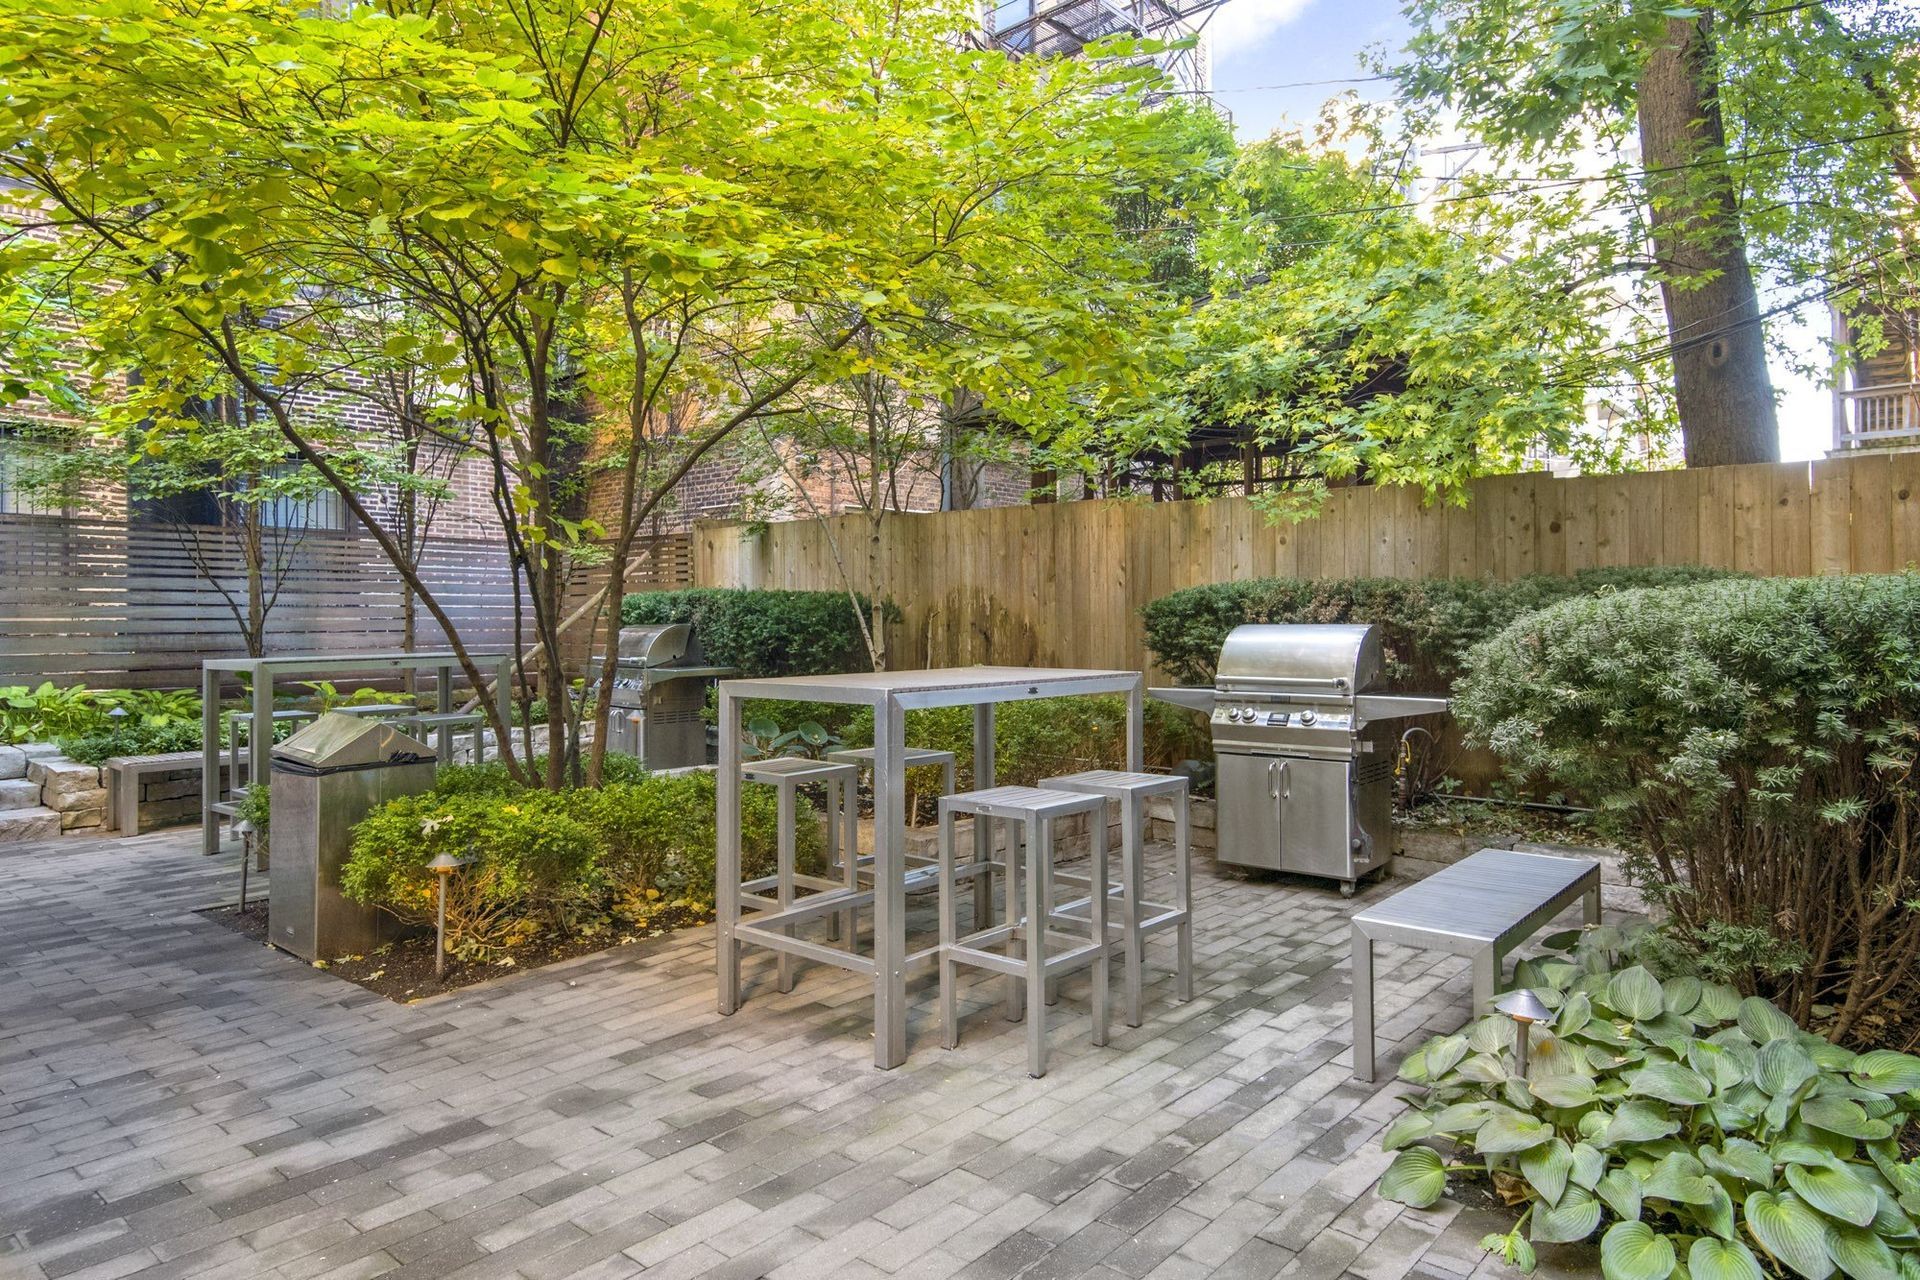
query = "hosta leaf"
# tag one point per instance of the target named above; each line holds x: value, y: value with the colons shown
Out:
x: 1563, y: 1090
x: 1681, y: 994
x: 1711, y: 1259
x: 1509, y: 1130
x: 1546, y: 1169
x: 1410, y: 1126
x: 1680, y: 1178
x: 1444, y: 1054
x: 1482, y: 1068
x: 1718, y: 1001
x: 1638, y: 1121
x: 1636, y: 994
x: 1416, y: 1177
x: 1670, y: 1082
x: 1740, y: 1159
x: 1717, y: 1212
x: 1782, y: 1067
x: 1860, y: 1253
x: 1716, y: 1064
x: 1588, y: 1164
x: 1804, y: 1153
x: 1462, y: 1117
x: 1633, y: 1251
x: 1836, y: 1191
x: 1621, y: 1190
x: 1843, y: 1116
x: 1887, y: 1071
x: 1890, y: 1223
x: 1791, y: 1231
x: 1491, y: 1034
x: 1575, y: 1014
x: 1763, y: 1020
x: 1574, y: 1218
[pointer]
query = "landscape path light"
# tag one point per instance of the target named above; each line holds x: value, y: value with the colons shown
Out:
x: 443, y: 866
x: 1525, y: 1008
x: 244, y: 829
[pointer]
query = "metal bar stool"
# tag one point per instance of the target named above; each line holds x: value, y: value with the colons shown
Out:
x: 445, y: 724
x: 1139, y: 919
x: 239, y: 720
x: 922, y: 873
x: 788, y: 774
x: 1032, y: 811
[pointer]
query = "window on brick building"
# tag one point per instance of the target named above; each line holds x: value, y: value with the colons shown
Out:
x: 14, y: 499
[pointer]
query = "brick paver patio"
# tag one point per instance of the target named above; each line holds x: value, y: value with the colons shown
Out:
x: 178, y: 1101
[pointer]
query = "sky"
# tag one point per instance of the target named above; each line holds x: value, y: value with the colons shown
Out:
x: 1265, y: 50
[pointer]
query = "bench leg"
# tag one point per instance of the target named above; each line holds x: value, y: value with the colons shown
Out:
x: 1363, y: 1067
x: 1593, y: 904
x: 1486, y: 980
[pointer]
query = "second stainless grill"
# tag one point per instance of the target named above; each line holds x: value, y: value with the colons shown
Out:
x: 1304, y: 748
x: 659, y: 690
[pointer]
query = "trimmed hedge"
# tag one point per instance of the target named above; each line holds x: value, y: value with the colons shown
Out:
x: 1754, y: 744
x: 764, y: 633
x: 1429, y: 624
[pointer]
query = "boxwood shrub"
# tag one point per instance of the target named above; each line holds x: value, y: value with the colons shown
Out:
x: 1752, y: 742
x: 764, y: 633
x: 1429, y: 624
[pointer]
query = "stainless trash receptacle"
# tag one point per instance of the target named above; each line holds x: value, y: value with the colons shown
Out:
x: 326, y: 777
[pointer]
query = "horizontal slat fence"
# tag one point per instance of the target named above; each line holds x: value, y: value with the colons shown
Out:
x: 117, y: 605
x: 1062, y: 583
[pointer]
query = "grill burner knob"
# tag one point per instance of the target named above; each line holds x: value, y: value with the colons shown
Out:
x: 1233, y: 713
x: 1307, y: 717
x: 1249, y: 713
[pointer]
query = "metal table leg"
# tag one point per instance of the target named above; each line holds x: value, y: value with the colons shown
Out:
x: 209, y: 761
x: 889, y: 884
x: 1363, y: 1067
x: 727, y: 853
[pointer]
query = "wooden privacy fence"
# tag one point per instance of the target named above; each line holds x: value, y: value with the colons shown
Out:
x: 116, y: 605
x: 1063, y: 583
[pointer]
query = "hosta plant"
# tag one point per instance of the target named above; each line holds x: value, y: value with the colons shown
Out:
x: 1696, y: 1132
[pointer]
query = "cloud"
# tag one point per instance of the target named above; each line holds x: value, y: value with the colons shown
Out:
x: 1238, y: 27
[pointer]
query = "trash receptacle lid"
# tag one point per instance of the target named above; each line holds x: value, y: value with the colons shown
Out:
x: 336, y: 741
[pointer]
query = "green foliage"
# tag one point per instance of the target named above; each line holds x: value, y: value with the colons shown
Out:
x: 1676, y: 1119
x: 557, y: 859
x: 1753, y: 742
x: 764, y: 738
x: 134, y: 739
x: 764, y: 633
x: 156, y: 708
x: 1429, y: 624
x: 29, y: 714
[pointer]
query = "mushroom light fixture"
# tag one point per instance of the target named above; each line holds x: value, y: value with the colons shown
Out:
x: 1525, y: 1008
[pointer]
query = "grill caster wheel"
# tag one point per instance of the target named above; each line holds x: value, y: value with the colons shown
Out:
x: 1346, y: 888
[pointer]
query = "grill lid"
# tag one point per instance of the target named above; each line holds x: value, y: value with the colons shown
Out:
x: 657, y: 646
x: 1325, y: 658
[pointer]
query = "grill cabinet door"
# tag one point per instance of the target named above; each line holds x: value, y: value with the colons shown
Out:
x: 1285, y: 813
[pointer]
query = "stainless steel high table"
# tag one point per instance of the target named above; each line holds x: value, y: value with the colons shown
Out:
x: 262, y: 672
x: 891, y: 694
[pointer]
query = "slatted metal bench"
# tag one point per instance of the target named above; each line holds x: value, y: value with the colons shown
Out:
x: 1482, y: 907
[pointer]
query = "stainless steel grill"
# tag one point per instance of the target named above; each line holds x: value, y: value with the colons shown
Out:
x: 659, y: 689
x: 1304, y: 748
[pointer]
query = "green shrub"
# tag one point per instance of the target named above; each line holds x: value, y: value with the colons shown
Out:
x: 1699, y: 1133
x: 136, y: 738
x: 1753, y: 744
x: 764, y: 633
x: 49, y: 711
x: 1428, y: 624
x: 659, y: 833
x: 530, y: 864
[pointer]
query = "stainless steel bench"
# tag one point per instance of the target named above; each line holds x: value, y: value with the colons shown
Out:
x: 1483, y: 907
x: 122, y: 775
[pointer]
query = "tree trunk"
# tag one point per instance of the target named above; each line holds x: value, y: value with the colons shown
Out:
x: 1713, y: 314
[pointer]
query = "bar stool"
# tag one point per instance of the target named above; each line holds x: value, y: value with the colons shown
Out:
x: 922, y: 874
x: 1139, y: 919
x: 1030, y: 811
x: 787, y: 774
x: 446, y: 724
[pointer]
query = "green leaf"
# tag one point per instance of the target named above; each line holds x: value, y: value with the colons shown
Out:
x: 1588, y: 1164
x: 1462, y: 1117
x: 1836, y: 1191
x: 1860, y: 1253
x: 1887, y: 1071
x: 1621, y: 1190
x: 1638, y: 1121
x: 1670, y: 1082
x: 1711, y: 1259
x: 1562, y: 1090
x: 1741, y: 1159
x: 1417, y: 1177
x: 1576, y: 1013
x: 1509, y: 1130
x: 1845, y: 1117
x: 1681, y: 994
x: 1444, y: 1054
x: 1409, y: 1126
x: 1718, y: 1002
x: 1763, y: 1021
x: 1632, y: 1251
x: 1791, y: 1231
x: 1782, y: 1067
x: 1636, y: 994
x: 1546, y: 1169
x: 1680, y: 1178
x: 1574, y: 1218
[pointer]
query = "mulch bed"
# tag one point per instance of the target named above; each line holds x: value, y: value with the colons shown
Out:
x: 402, y: 971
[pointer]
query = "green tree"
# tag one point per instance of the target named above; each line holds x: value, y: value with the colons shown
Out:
x: 1772, y: 138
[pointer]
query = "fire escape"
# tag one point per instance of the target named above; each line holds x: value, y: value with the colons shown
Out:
x: 1064, y: 27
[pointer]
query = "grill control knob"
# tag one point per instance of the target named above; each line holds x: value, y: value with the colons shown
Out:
x: 1233, y: 713
x: 1307, y: 717
x: 1249, y: 713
